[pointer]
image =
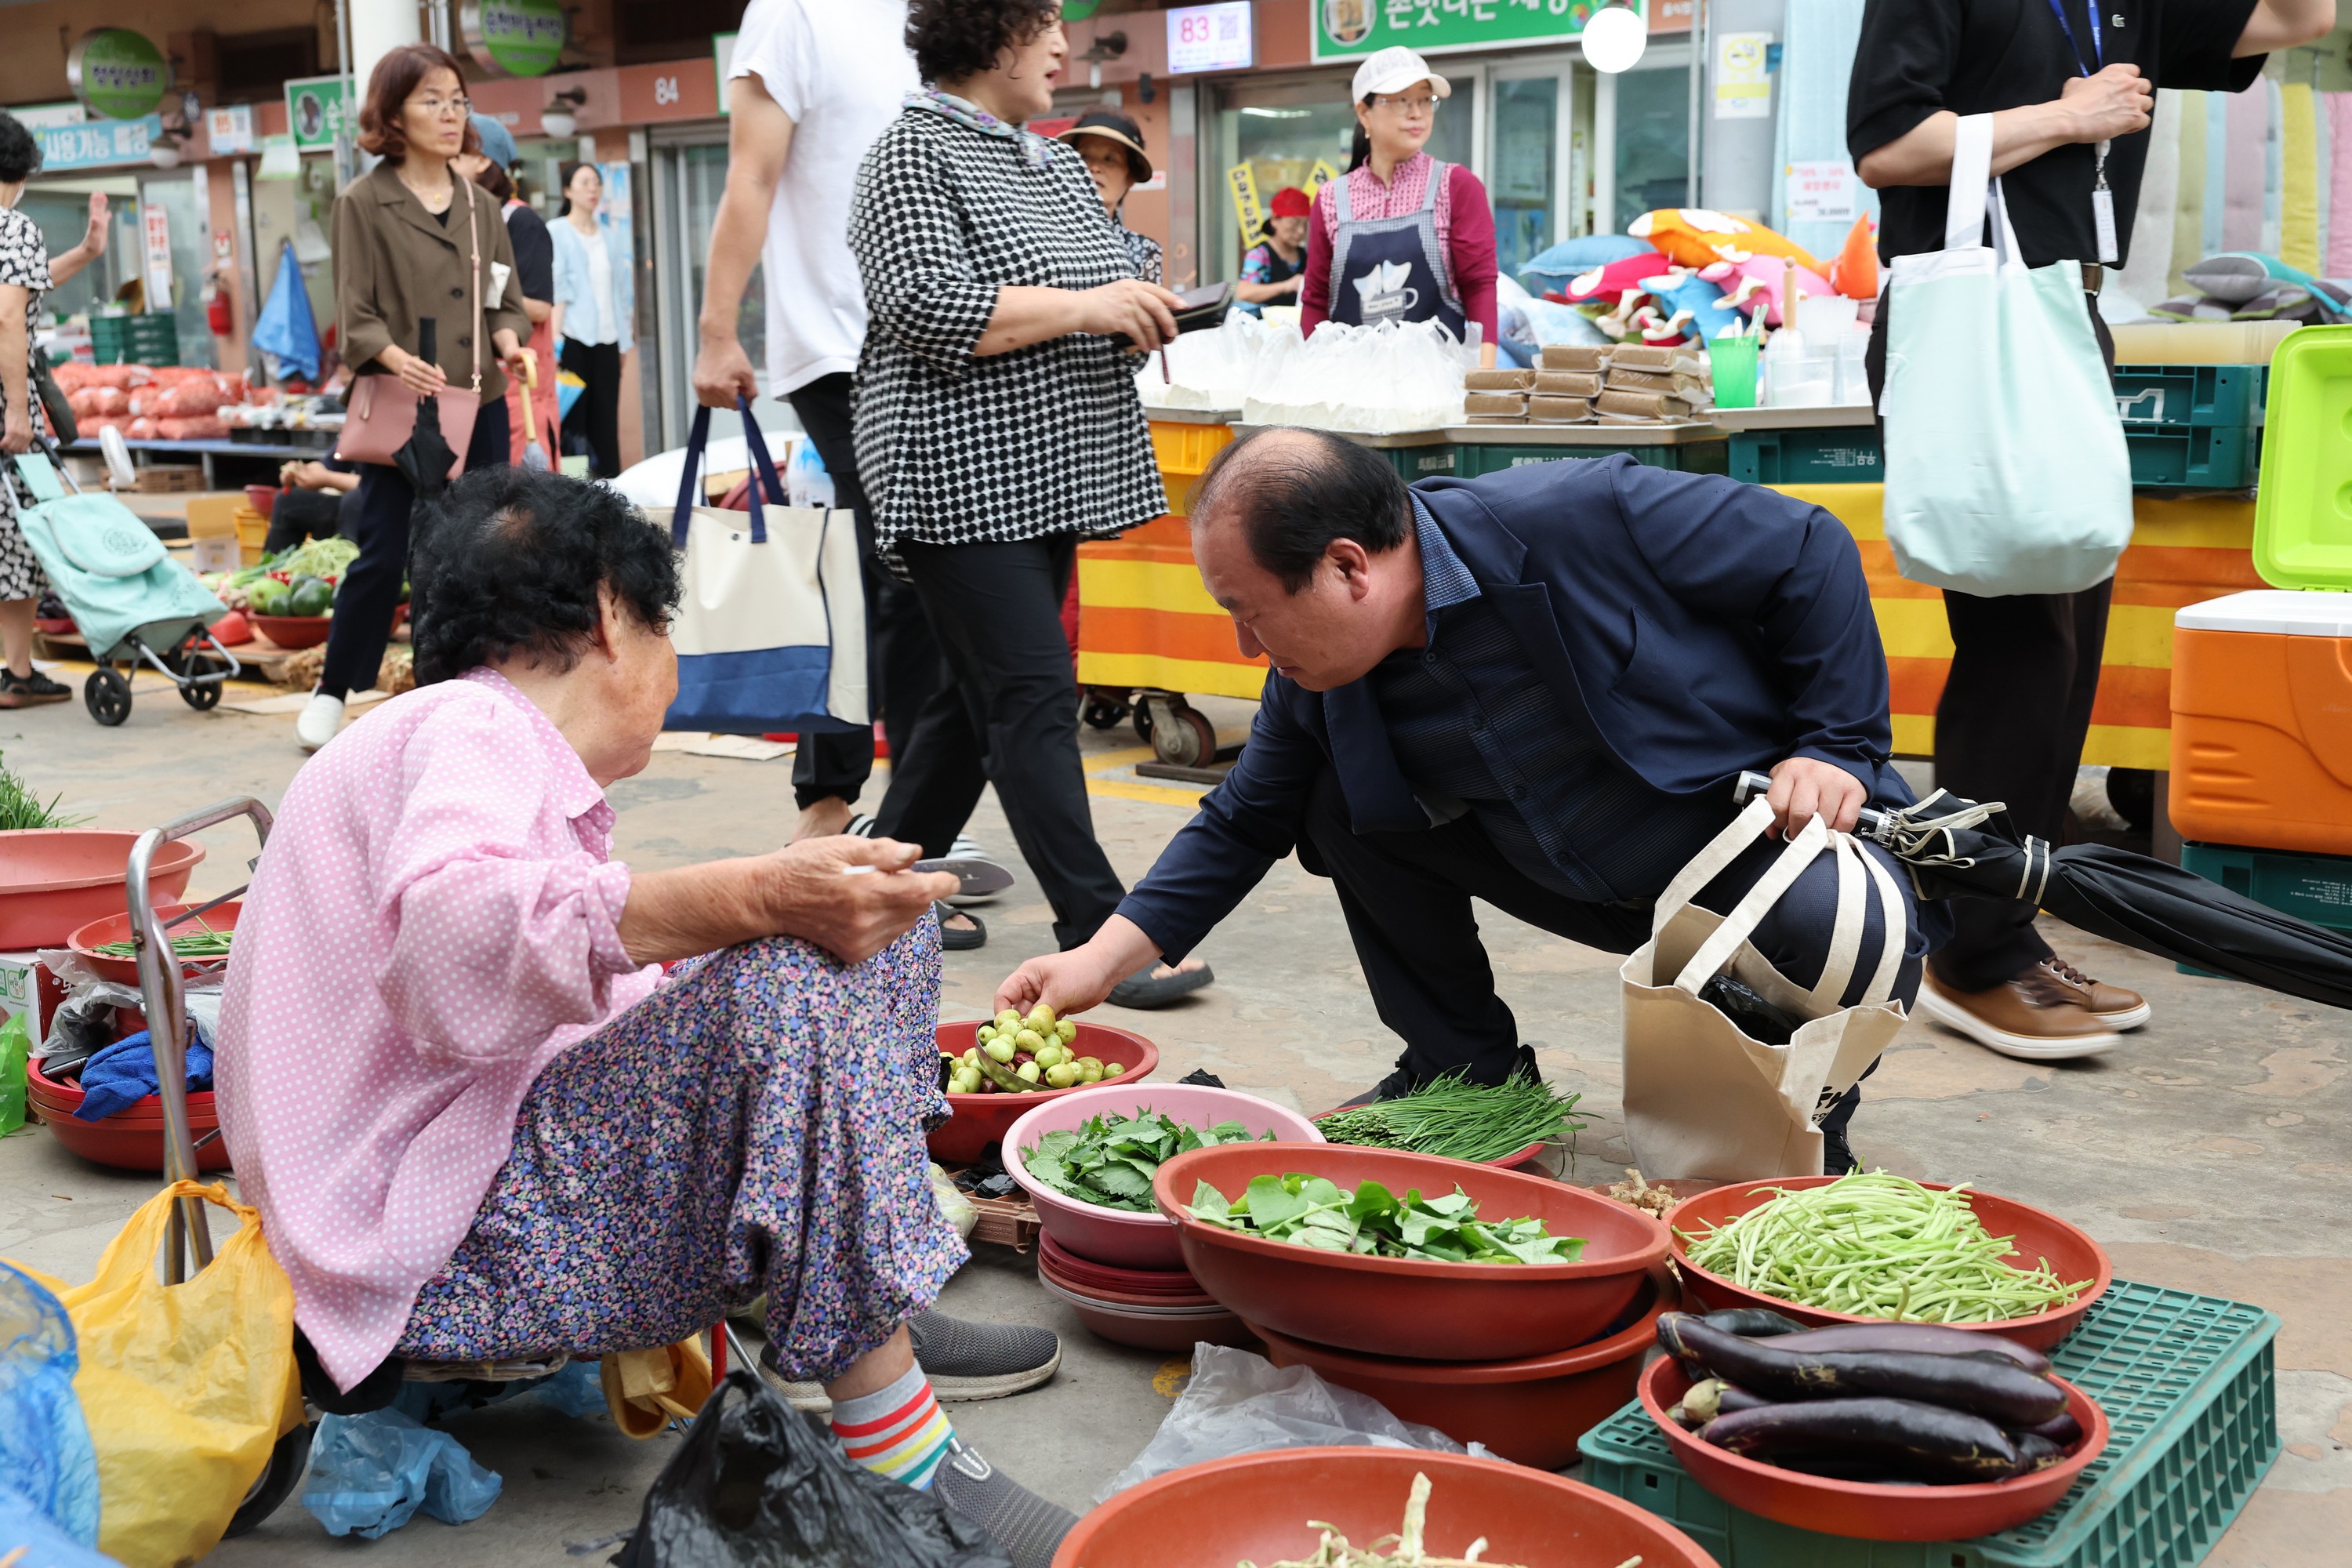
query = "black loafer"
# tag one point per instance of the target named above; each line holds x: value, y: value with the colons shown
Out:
x: 1143, y: 991
x: 951, y: 938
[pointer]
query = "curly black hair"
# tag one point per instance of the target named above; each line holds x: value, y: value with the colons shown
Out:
x: 953, y: 39
x: 20, y: 153
x: 511, y: 562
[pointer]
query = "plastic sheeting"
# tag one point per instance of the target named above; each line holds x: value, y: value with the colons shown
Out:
x: 1816, y: 63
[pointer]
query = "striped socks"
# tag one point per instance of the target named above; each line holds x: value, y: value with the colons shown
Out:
x: 898, y: 1432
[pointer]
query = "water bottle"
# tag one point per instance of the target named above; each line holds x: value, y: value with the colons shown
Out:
x: 806, y: 483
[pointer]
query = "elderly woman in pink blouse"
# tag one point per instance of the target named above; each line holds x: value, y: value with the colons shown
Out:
x: 478, y: 1121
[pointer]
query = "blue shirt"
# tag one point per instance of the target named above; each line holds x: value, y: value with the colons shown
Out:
x: 1479, y: 734
x: 577, y: 295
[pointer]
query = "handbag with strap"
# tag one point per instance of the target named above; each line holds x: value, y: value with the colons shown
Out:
x: 1702, y: 1097
x: 381, y: 414
x: 770, y: 623
x: 2006, y: 468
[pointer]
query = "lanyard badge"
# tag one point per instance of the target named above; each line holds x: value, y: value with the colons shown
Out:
x: 2103, y: 200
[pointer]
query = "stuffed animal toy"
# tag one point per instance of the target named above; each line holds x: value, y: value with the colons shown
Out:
x: 1699, y: 302
x: 1612, y: 278
x: 1755, y: 285
x: 1855, y: 273
x: 1694, y: 236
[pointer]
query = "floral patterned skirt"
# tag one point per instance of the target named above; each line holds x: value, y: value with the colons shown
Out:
x: 756, y: 1125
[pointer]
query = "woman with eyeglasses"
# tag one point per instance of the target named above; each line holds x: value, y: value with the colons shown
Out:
x: 1401, y: 236
x: 414, y: 242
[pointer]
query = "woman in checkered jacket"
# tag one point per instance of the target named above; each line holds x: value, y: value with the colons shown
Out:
x: 997, y: 424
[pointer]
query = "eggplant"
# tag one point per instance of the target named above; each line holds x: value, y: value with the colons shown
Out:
x: 1732, y: 1398
x: 2061, y: 1429
x: 1754, y: 1322
x: 1935, y: 1338
x: 2035, y: 1452
x: 1904, y: 1438
x: 1986, y: 1386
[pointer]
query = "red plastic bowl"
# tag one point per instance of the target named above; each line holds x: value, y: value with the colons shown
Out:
x: 1530, y: 1411
x: 132, y: 1139
x: 294, y: 631
x: 1150, y: 1328
x: 1406, y: 1307
x: 54, y: 880
x: 1526, y: 1156
x: 2040, y: 1235
x: 117, y: 928
x: 1084, y: 1274
x: 261, y: 498
x: 976, y: 1121
x: 1257, y: 1505
x: 1867, y: 1510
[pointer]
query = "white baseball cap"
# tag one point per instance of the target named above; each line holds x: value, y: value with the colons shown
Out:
x: 1394, y: 70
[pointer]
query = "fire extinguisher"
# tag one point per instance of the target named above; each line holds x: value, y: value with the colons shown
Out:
x: 216, y: 314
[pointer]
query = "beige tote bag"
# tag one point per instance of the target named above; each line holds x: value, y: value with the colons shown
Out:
x: 1702, y: 1099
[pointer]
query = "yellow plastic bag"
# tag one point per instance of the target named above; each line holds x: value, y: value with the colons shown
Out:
x: 187, y: 1387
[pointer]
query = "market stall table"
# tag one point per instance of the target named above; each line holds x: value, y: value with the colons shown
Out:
x: 314, y: 444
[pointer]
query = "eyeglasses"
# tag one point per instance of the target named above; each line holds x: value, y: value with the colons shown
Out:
x: 1397, y: 103
x: 440, y: 107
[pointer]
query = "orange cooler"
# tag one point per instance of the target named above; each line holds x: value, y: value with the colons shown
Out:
x: 2262, y: 720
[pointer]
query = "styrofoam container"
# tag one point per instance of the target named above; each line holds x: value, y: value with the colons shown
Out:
x: 1133, y: 1241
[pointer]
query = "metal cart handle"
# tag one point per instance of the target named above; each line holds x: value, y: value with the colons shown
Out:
x: 163, y: 995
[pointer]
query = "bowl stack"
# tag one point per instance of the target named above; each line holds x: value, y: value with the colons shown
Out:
x: 1121, y: 1272
x: 1524, y: 1358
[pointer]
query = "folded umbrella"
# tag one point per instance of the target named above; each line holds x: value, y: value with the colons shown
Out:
x: 1957, y: 849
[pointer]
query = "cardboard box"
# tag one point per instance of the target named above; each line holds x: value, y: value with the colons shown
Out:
x: 169, y: 479
x: 215, y: 554
x: 26, y: 986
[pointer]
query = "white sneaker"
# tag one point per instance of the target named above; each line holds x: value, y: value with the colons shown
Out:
x: 321, y: 717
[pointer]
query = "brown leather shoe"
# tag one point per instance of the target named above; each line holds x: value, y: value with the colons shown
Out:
x: 2120, y: 1008
x: 2041, y: 1015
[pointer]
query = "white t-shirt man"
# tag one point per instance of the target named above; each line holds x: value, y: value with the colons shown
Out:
x: 842, y: 80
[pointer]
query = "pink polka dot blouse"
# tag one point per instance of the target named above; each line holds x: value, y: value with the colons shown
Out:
x: 436, y: 919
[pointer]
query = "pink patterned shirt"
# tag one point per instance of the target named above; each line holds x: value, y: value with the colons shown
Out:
x: 436, y: 919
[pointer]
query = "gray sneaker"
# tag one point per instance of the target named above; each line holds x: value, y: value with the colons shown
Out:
x: 964, y: 1361
x: 1026, y: 1525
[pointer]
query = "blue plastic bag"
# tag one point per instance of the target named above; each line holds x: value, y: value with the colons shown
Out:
x: 370, y: 1474
x: 30, y: 1539
x: 45, y: 1458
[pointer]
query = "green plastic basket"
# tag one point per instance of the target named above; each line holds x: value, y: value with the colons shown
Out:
x: 2193, y: 456
x: 2190, y: 1391
x: 1826, y: 455
x: 2160, y: 395
x: 1434, y: 460
x: 2303, y: 529
x: 1684, y: 457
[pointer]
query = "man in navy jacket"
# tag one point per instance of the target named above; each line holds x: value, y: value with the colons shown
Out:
x: 1535, y: 688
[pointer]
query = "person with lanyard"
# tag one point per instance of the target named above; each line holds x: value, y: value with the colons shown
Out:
x: 1271, y: 267
x: 2071, y: 89
x: 1401, y: 236
x: 1112, y: 146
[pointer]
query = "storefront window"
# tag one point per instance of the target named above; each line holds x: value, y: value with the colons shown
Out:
x: 191, y: 249
x: 1652, y: 142
x: 1523, y: 149
x: 61, y: 208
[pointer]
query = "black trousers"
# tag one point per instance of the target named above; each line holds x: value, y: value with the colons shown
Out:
x: 298, y: 515
x: 1009, y: 716
x: 902, y: 657
x: 596, y: 417
x: 2011, y: 724
x: 378, y: 522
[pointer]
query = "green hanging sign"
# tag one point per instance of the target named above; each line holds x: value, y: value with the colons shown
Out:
x: 1348, y: 29
x: 117, y: 73
x: 316, y: 111
x: 516, y: 38
x: 1079, y: 10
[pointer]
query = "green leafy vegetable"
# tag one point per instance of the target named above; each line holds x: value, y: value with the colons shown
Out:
x: 1315, y: 1211
x: 1109, y: 1160
x: 1460, y: 1120
x: 20, y: 807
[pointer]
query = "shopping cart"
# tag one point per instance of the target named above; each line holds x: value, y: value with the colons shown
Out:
x: 131, y: 601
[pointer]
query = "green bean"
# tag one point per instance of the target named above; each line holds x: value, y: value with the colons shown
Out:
x: 1878, y: 1245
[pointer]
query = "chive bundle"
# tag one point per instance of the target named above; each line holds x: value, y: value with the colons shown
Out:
x: 1459, y: 1120
x: 206, y: 944
x: 1878, y: 1246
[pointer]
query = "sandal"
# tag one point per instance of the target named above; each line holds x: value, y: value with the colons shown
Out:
x: 954, y: 936
x: 1144, y: 990
x: 25, y: 690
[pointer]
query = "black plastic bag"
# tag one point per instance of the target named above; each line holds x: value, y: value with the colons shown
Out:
x: 757, y: 1485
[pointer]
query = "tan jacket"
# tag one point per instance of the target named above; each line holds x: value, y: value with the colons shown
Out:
x: 395, y: 264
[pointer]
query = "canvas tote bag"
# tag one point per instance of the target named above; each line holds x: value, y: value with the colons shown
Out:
x: 1702, y: 1099
x: 381, y: 415
x: 771, y: 628
x: 2006, y: 469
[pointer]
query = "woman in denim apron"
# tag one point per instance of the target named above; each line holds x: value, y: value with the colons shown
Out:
x: 1401, y: 236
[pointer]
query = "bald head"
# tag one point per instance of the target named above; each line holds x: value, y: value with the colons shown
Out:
x: 1292, y: 493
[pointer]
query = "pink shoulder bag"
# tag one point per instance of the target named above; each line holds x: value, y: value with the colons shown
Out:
x: 381, y: 415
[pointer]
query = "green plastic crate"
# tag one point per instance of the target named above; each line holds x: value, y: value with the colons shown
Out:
x: 2177, y: 394
x: 1432, y: 461
x: 1827, y: 455
x: 151, y: 339
x: 2193, y: 456
x: 2314, y: 888
x: 2190, y: 1390
x: 1684, y: 457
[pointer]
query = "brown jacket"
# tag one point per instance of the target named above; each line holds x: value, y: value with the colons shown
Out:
x: 395, y: 263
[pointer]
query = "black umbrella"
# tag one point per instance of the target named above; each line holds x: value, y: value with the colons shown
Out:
x: 425, y: 458
x: 1956, y: 848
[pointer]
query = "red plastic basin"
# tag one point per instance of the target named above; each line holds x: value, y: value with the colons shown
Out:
x: 2040, y: 1234
x: 132, y: 1139
x: 54, y: 880
x: 1406, y: 1307
x: 1150, y: 1326
x: 294, y: 631
x: 1255, y: 1507
x: 1068, y: 1268
x: 1530, y: 1411
x: 117, y: 928
x: 976, y: 1121
x: 1865, y: 1510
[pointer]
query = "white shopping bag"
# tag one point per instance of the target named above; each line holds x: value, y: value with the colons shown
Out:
x: 1702, y: 1099
x: 771, y: 625
x: 2006, y: 468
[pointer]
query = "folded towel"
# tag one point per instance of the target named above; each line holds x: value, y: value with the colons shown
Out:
x: 124, y: 1074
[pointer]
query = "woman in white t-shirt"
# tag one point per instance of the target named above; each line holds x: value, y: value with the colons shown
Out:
x: 595, y: 298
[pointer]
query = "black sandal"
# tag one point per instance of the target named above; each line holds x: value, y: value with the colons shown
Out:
x: 954, y: 940
x: 1143, y: 991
